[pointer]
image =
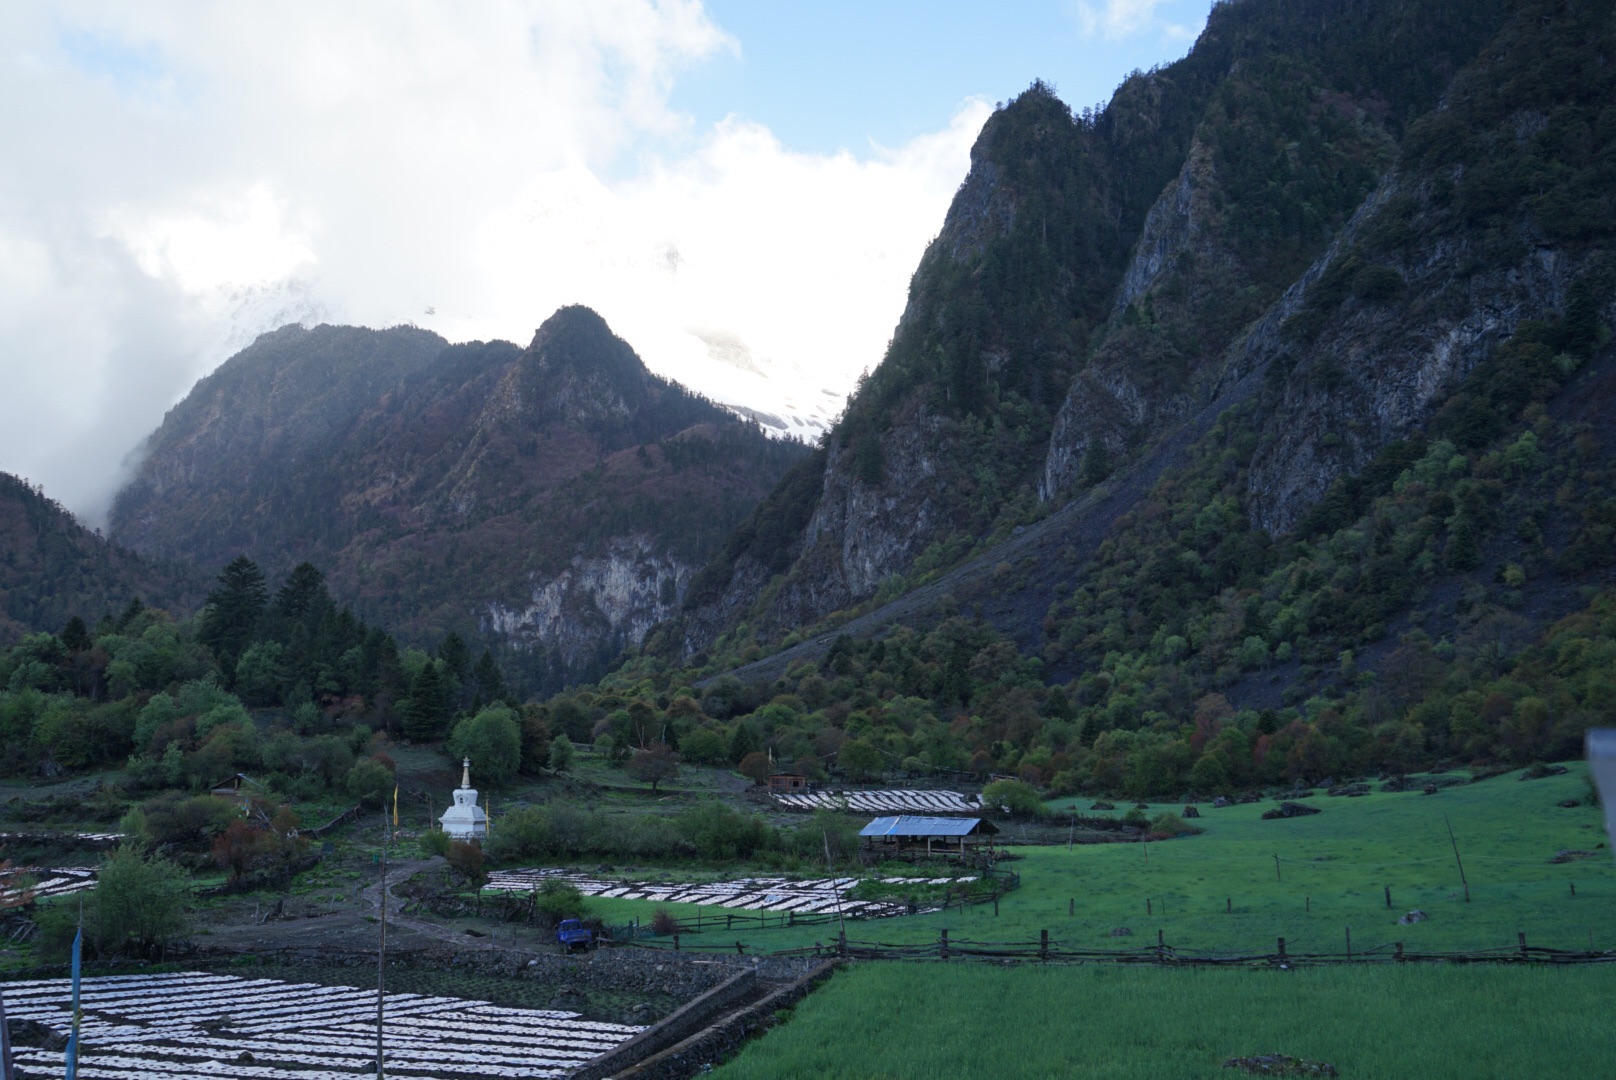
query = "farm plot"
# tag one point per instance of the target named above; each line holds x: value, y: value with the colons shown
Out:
x: 43, y: 882
x: 884, y: 802
x: 819, y: 896
x: 189, y: 1025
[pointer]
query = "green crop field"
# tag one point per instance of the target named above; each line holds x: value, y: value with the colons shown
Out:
x: 1332, y: 871
x: 897, y: 1021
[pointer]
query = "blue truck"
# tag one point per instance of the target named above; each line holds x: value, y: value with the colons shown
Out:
x: 573, y: 934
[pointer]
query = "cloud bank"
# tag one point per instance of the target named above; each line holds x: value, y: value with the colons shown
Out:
x: 184, y: 176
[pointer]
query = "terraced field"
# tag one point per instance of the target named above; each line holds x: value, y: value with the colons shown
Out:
x: 197, y: 1026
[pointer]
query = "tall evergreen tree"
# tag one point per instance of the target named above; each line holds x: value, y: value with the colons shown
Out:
x: 490, y: 683
x: 76, y: 636
x: 426, y: 715
x: 303, y: 590
x: 233, y: 610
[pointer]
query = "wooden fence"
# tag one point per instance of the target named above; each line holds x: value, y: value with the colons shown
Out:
x: 1045, y: 949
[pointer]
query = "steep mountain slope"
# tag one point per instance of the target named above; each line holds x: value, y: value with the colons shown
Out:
x: 52, y: 568
x: 556, y: 498
x: 1088, y: 281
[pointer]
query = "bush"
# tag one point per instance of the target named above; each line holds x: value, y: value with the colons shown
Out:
x: 370, y: 782
x: 137, y: 906
x: 493, y: 741
x: 559, y: 900
x: 704, y: 746
x: 1168, y: 826
x: 663, y: 922
x: 1015, y: 796
x: 466, y: 858
x: 434, y: 842
x: 561, y: 753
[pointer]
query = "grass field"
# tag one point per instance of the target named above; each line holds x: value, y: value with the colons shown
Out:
x: 895, y: 1021
x: 1333, y: 868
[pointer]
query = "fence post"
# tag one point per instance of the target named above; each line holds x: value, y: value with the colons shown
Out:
x: 1043, y: 944
x: 1228, y: 905
x: 1147, y: 906
x: 740, y: 950
x: 1349, y: 943
x: 676, y: 942
x: 942, y: 946
x: 1400, y: 955
x: 1388, y: 898
x: 1282, y: 949
x: 1522, y: 939
x: 1071, y: 907
x: 841, y: 943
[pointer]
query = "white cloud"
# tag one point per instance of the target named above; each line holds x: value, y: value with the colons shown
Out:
x: 186, y: 174
x: 1117, y: 19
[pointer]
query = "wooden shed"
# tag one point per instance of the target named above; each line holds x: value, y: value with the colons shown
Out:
x: 789, y: 784
x: 932, y: 835
x: 233, y: 787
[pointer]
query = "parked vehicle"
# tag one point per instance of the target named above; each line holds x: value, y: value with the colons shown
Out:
x: 573, y: 934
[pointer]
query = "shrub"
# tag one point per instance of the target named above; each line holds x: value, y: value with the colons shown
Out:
x: 370, y: 782
x: 434, y: 842
x: 1167, y: 826
x: 466, y: 858
x: 663, y: 922
x: 1015, y: 796
x: 559, y: 900
x: 493, y: 741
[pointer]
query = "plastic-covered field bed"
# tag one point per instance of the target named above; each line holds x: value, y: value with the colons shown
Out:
x: 812, y: 897
x: 44, y: 881
x: 192, y: 1025
x: 884, y: 802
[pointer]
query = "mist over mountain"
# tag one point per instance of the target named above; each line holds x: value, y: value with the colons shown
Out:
x: 555, y: 499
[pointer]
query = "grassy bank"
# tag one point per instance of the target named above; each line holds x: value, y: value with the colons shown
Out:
x: 890, y: 1021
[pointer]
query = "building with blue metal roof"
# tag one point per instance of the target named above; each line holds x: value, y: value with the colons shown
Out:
x: 936, y: 835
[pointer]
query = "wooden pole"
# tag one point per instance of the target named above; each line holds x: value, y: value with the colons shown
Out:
x: 1276, y: 868
x: 1460, y: 861
x: 381, y: 958
x: 1388, y: 898
x: 1349, y: 943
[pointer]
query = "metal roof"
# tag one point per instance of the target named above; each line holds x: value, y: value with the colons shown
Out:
x: 926, y: 826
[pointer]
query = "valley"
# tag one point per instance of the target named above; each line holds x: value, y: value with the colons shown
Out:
x: 1177, y: 659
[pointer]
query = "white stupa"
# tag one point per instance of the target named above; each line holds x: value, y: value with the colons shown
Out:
x: 465, y: 820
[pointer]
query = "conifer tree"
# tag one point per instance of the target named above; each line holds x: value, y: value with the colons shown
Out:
x: 426, y: 715
x: 233, y: 610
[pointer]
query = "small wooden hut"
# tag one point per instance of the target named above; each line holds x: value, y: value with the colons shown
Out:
x: 929, y: 835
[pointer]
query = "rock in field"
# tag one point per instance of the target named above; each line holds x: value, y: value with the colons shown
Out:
x: 1280, y: 1065
x: 1191, y: 811
x: 1413, y: 917
x: 1289, y: 810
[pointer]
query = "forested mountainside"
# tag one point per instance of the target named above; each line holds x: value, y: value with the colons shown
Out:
x: 52, y: 568
x: 1126, y: 248
x: 1308, y: 199
x: 556, y: 499
x: 1330, y: 488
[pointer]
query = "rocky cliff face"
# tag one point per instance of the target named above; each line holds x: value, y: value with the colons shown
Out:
x: 613, y: 598
x: 559, y: 494
x: 1089, y: 280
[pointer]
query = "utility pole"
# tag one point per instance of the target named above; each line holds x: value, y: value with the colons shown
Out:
x: 381, y: 955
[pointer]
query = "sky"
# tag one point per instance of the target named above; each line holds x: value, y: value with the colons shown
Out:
x: 742, y: 189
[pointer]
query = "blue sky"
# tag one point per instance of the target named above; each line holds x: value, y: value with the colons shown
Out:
x: 830, y: 76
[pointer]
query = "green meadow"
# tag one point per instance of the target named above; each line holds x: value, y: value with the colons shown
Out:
x: 1219, y: 892
x: 964, y: 1021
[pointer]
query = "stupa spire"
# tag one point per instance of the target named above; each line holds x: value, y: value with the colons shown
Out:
x: 465, y: 773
